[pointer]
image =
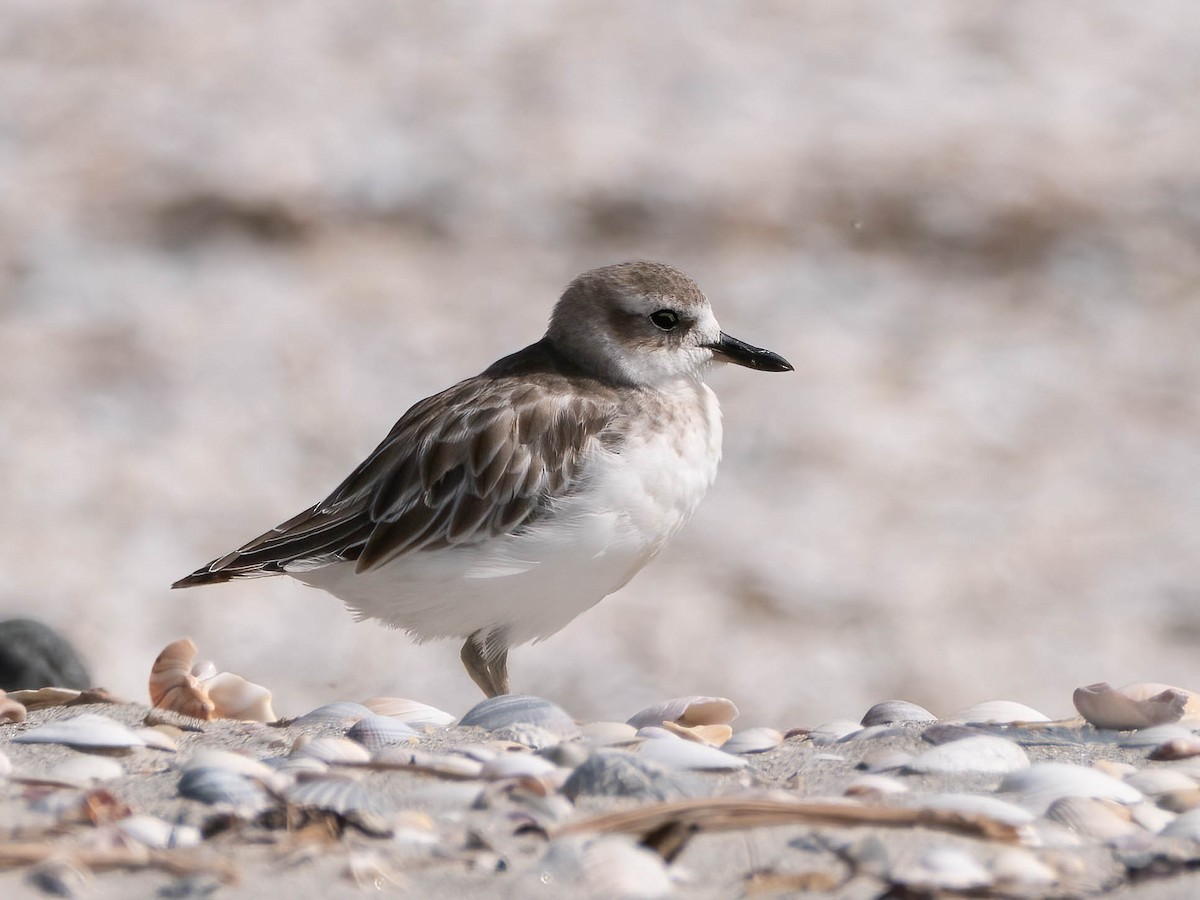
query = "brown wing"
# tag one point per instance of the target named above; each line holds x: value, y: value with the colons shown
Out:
x: 483, y: 458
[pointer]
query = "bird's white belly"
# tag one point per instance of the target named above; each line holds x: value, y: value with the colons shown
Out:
x: 535, y: 582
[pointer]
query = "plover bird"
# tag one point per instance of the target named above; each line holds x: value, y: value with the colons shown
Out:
x: 500, y: 509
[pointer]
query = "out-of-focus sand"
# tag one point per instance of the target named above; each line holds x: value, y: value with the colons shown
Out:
x: 238, y: 240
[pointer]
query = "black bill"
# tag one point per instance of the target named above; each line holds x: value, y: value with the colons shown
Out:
x: 730, y: 349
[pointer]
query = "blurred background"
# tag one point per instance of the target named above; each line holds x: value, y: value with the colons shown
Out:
x: 238, y: 239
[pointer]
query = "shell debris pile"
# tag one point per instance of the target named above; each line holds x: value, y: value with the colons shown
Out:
x: 517, y: 794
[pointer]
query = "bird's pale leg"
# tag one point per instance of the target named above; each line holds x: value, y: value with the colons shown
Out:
x: 490, y: 673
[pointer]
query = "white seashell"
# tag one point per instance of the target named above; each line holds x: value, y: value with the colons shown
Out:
x: 608, y: 734
x: 983, y: 753
x: 520, y: 709
x: 832, y: 732
x: 1177, y: 748
x: 981, y: 805
x: 599, y: 867
x: 516, y: 765
x: 753, y: 740
x: 5, y: 766
x: 204, y: 669
x: 220, y: 786
x: 1155, y: 735
x: 375, y: 731
x: 87, y: 769
x: 1043, y: 783
x: 677, y: 754
x: 409, y: 711
x: 234, y: 697
x: 157, y: 834
x: 1098, y: 820
x: 1137, y: 705
x: 156, y: 739
x: 1153, y: 818
x: 87, y: 731
x: 289, y: 768
x: 1186, y: 826
x: 995, y: 712
x: 655, y: 733
x: 1153, y: 782
x: 687, y: 711
x: 875, y: 785
x: 334, y: 751
x: 894, y: 712
x: 335, y: 793
x: 342, y: 713
x: 942, y: 869
x: 1020, y: 872
x: 1116, y: 769
x: 449, y: 765
x: 174, y: 687
x: 214, y: 758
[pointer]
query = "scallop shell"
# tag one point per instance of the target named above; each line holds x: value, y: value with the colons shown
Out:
x: 375, y: 731
x: 1095, y: 819
x: 894, y: 712
x: 334, y: 751
x: 687, y: 711
x: 1135, y: 705
x: 158, y: 834
x: 172, y: 684
x: 342, y: 713
x: 335, y: 793
x: 995, y: 712
x: 409, y: 711
x: 1043, y: 783
x: 677, y: 754
x: 216, y: 785
x: 11, y: 710
x: 753, y: 740
x: 88, y: 731
x: 983, y: 753
x: 520, y: 709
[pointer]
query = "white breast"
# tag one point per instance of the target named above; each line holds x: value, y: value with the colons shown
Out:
x: 634, y: 498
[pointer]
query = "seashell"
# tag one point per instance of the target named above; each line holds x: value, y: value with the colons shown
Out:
x: 677, y: 754
x: 894, y: 712
x: 157, y: 834
x: 753, y: 740
x: 375, y: 731
x: 832, y: 732
x: 1154, y: 735
x: 1138, y: 705
x: 1153, y: 782
x: 654, y: 733
x: 399, y: 757
x: 1177, y: 748
x: 333, y: 751
x: 980, y: 805
x: 41, y: 698
x: 88, y: 731
x: 875, y: 786
x: 5, y: 766
x: 341, y: 713
x: 710, y: 735
x: 156, y: 739
x: 599, y: 867
x: 983, y: 753
x: 214, y: 758
x: 87, y: 770
x: 532, y: 736
x: 520, y: 709
x: 172, y: 684
x: 1179, y: 801
x: 995, y: 712
x: 11, y: 711
x: 213, y: 785
x: 1098, y: 820
x: 941, y: 869
x: 1186, y: 826
x: 370, y: 871
x: 608, y: 734
x: 409, y: 711
x: 566, y: 754
x: 1043, y: 783
x: 517, y: 765
x: 233, y: 697
x: 1152, y: 818
x: 336, y: 793
x: 1019, y: 872
x: 687, y: 711
x: 615, y: 773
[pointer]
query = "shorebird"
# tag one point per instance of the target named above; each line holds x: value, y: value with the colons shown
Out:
x: 503, y: 507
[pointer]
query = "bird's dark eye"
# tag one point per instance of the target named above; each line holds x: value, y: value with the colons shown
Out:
x: 664, y: 319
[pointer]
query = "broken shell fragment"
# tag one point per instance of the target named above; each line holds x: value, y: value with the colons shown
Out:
x: 1138, y: 705
x: 88, y: 731
x: 233, y: 697
x: 172, y: 684
x: 11, y: 710
x: 687, y: 711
